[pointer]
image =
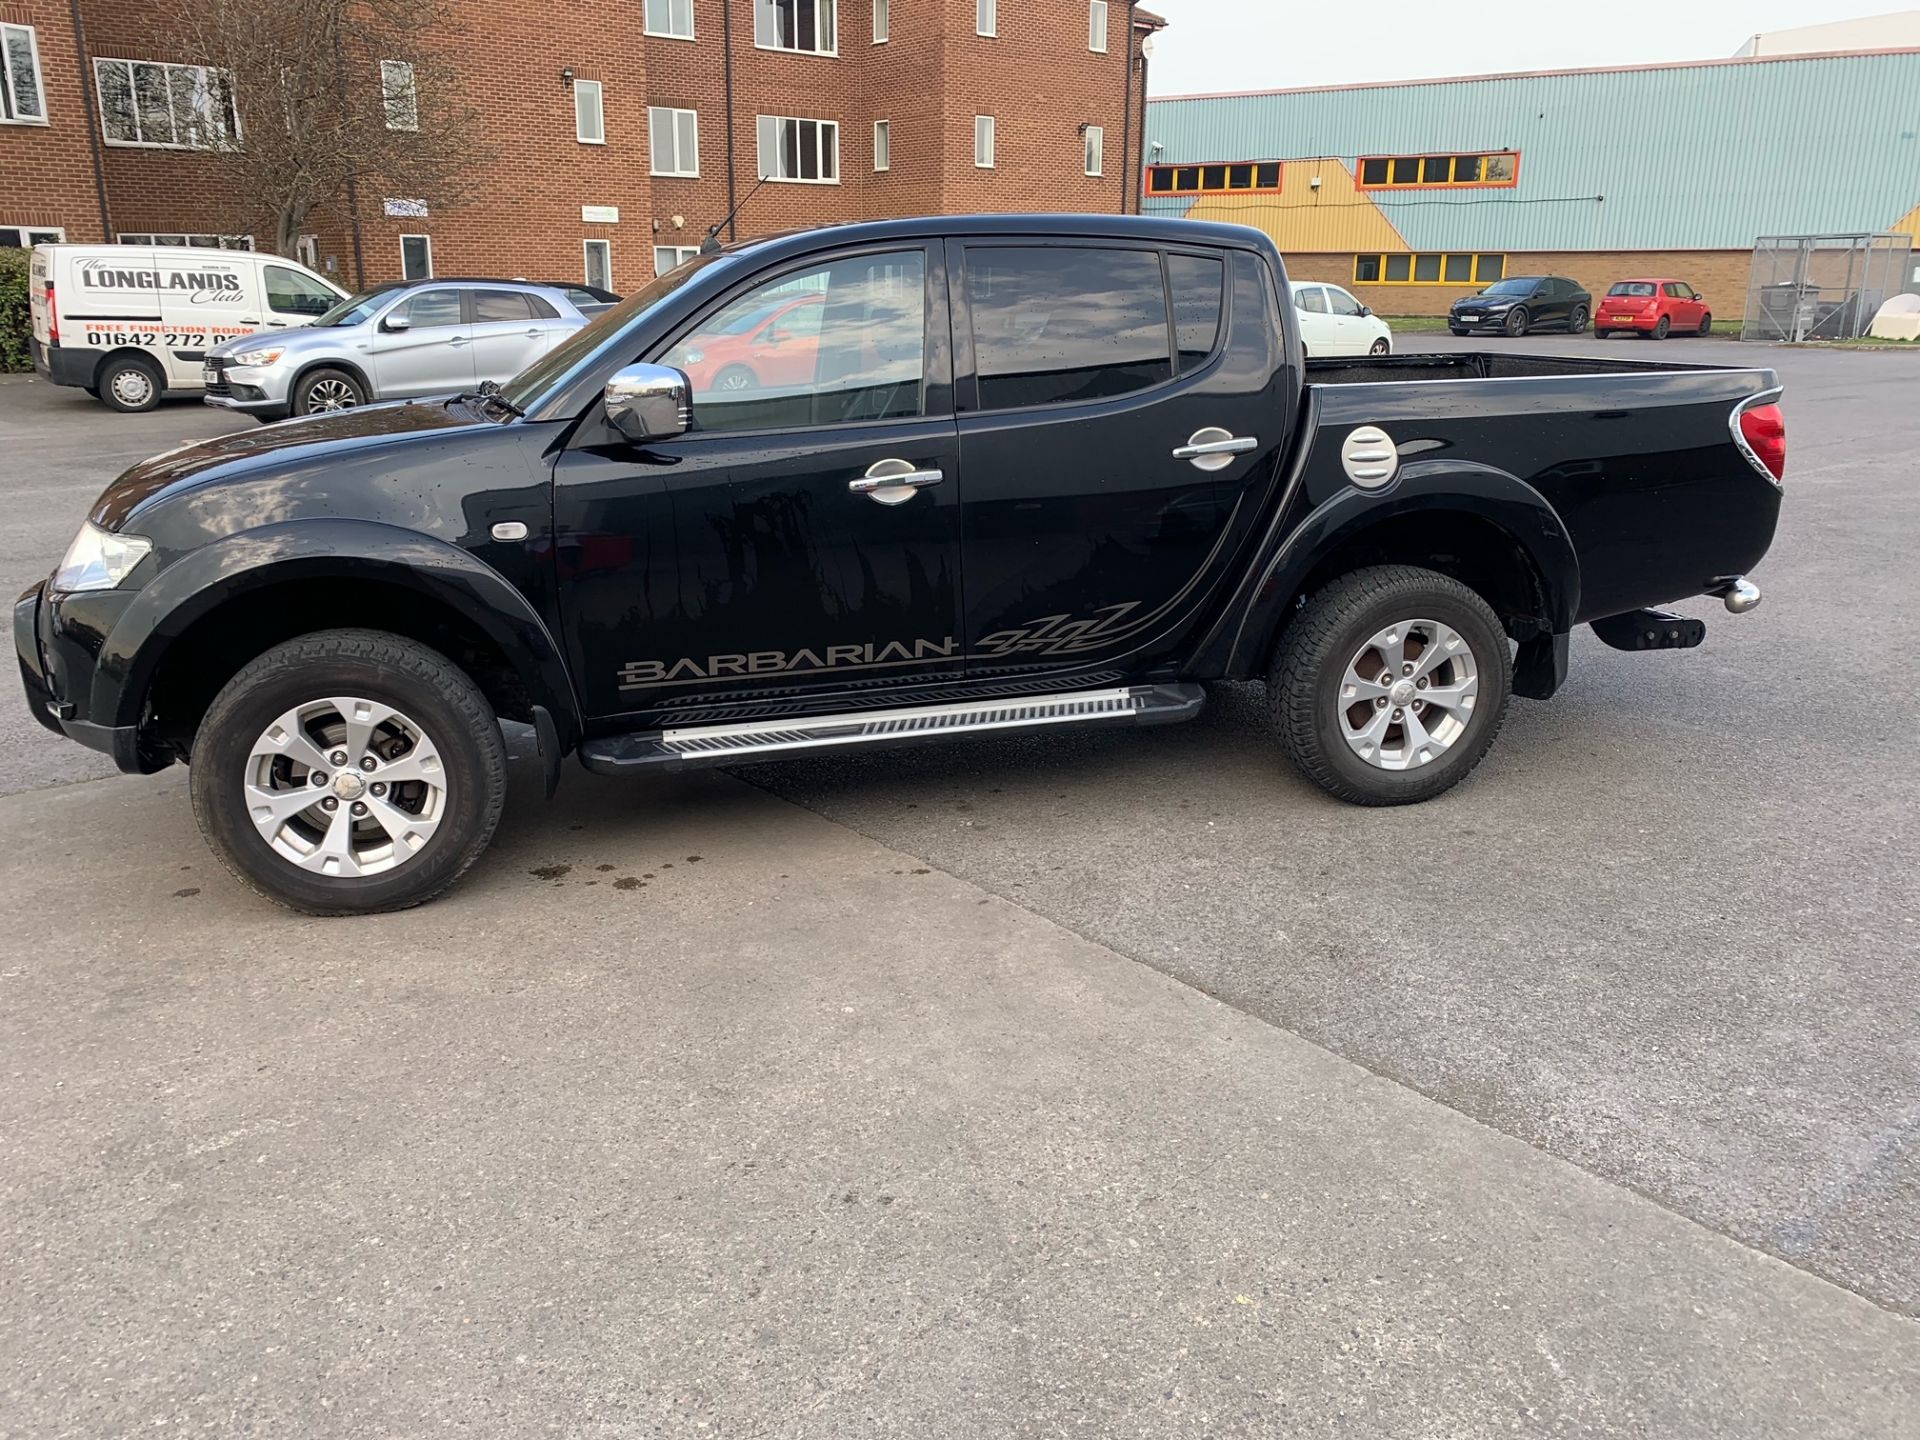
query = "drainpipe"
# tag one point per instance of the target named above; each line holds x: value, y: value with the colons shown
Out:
x: 1126, y: 119
x: 726, y: 43
x: 87, y: 100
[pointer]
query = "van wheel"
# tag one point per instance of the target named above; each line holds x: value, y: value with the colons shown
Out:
x: 323, y: 391
x: 347, y: 772
x: 129, y: 383
x: 1390, y: 684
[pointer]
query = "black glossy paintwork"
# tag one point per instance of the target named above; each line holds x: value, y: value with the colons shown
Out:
x: 1617, y: 484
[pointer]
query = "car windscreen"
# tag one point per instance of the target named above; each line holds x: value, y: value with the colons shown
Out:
x: 357, y: 309
x: 1633, y: 287
x: 1519, y: 285
x: 530, y: 384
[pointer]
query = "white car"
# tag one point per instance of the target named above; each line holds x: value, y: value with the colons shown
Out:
x: 1332, y: 322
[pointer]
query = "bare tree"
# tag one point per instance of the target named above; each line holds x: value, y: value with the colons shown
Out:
x: 329, y: 95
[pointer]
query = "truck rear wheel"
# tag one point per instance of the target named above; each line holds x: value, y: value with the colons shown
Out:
x: 348, y: 772
x: 1390, y: 684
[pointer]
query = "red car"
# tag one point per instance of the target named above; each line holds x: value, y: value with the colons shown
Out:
x: 770, y: 346
x: 1652, y: 307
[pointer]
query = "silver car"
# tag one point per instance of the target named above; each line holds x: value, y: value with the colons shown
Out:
x: 414, y: 337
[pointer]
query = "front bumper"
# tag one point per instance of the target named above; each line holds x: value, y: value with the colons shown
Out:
x: 1482, y: 323
x: 56, y: 671
x: 260, y: 391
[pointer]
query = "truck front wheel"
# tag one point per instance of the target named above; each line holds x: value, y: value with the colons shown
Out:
x: 349, y: 771
x: 1390, y: 684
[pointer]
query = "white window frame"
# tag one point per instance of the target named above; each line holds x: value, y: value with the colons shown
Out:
x: 586, y: 265
x: 672, y: 117
x: 398, y: 87
x: 766, y: 26
x: 205, y: 74
x: 681, y: 254
x: 1095, y: 147
x: 403, y: 257
x: 1097, y: 26
x: 986, y: 18
x: 882, y: 21
x: 153, y: 237
x: 985, y: 142
x: 9, y: 102
x: 600, y: 110
x: 59, y: 233
x: 653, y: 7
x: 882, y: 145
x: 761, y: 122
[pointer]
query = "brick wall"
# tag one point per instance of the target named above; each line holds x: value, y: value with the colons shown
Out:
x: 46, y: 171
x: 1720, y: 275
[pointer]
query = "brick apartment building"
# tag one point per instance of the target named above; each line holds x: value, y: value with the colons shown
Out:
x: 622, y: 128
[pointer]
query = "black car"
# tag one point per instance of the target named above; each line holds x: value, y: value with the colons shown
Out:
x: 1521, y: 303
x: 1018, y: 473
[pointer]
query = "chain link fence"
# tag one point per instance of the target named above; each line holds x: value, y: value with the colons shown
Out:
x: 1822, y: 287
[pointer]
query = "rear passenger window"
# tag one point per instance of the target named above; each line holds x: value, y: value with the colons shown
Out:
x: 541, y: 309
x: 497, y: 305
x: 1195, y: 281
x: 1054, y: 324
x: 1313, y: 300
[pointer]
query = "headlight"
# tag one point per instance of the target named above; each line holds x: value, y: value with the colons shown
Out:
x: 692, y: 357
x: 258, y: 357
x: 98, y: 560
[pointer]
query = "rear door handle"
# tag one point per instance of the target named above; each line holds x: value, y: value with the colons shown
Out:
x: 1212, y: 448
x: 894, y: 482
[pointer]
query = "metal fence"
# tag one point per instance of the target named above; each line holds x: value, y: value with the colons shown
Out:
x: 1822, y: 287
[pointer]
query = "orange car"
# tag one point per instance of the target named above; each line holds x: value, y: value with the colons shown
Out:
x: 1651, y: 307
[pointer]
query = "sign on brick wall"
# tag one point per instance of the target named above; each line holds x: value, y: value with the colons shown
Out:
x: 600, y: 214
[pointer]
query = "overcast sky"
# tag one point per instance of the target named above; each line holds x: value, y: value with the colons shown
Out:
x: 1272, y: 44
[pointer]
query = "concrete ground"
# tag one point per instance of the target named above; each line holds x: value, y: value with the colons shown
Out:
x: 1111, y: 1085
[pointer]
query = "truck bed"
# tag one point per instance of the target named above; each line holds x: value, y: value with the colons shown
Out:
x: 1481, y: 365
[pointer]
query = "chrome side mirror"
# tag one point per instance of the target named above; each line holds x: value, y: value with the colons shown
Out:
x: 649, y: 402
x: 395, y: 322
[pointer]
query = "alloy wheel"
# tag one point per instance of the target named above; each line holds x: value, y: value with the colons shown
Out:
x: 1407, y: 695
x: 330, y: 394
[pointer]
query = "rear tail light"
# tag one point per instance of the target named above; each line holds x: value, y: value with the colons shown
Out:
x: 53, y: 319
x: 1762, y: 432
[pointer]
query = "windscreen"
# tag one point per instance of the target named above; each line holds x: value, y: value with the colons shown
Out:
x: 1633, y: 287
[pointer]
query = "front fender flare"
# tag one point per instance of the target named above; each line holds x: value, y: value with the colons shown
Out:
x: 337, y: 549
x: 1460, y: 487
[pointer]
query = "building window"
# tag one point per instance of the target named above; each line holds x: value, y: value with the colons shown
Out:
x: 672, y: 18
x: 202, y: 242
x: 397, y: 93
x: 983, y: 128
x: 1214, y: 179
x: 675, y: 137
x: 589, y: 113
x: 883, y: 144
x: 672, y: 257
x: 599, y: 258
x: 178, y: 107
x: 882, y: 21
x: 416, y: 257
x: 21, y: 99
x: 986, y: 17
x: 1447, y: 269
x: 1096, y: 149
x: 1427, y: 172
x: 804, y: 25
x: 1097, y: 26
x: 25, y: 237
x: 805, y: 152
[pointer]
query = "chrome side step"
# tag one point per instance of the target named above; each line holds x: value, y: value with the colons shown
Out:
x: 776, y: 739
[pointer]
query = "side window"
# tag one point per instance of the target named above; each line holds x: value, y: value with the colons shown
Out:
x: 1341, y: 303
x: 291, y: 293
x: 1678, y: 292
x: 543, y: 311
x: 493, y: 306
x: 1312, y: 299
x: 432, y: 307
x: 1057, y: 323
x: 1196, y: 282
x: 840, y: 343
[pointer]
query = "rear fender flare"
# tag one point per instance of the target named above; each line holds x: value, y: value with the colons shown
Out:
x: 1440, y: 486
x: 346, y: 550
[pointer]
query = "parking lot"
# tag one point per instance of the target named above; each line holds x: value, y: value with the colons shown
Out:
x: 1110, y: 1084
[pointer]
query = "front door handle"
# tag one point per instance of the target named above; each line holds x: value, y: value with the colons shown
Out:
x: 1211, y: 448
x: 894, y: 482
x: 457, y: 341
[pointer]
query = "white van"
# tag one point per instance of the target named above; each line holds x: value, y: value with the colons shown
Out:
x: 129, y: 323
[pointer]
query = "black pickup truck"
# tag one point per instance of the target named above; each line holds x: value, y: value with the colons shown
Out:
x: 893, y: 482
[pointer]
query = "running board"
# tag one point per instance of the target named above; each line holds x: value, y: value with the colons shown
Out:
x: 861, y: 729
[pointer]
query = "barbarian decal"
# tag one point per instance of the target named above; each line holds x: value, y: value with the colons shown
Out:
x: 757, y: 664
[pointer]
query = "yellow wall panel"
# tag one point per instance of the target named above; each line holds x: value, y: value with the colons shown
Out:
x: 1340, y: 216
